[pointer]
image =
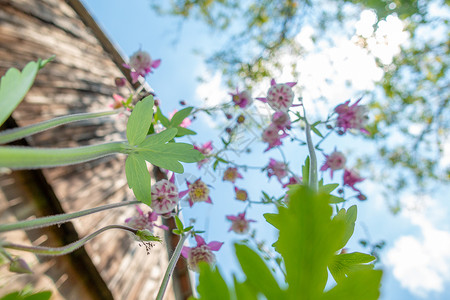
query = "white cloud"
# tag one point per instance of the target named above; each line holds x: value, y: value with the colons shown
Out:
x: 422, y: 263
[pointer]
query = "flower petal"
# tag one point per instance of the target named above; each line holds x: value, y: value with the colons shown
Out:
x: 215, y: 246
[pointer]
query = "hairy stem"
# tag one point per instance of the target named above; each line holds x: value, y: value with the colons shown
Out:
x: 49, y: 251
x: 171, y: 266
x: 16, y: 157
x: 21, y: 132
x: 59, y: 219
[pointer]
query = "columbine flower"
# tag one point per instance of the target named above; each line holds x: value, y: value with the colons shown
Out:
x: 279, y: 96
x: 351, y: 177
x: 203, y: 252
x: 241, y: 195
x: 277, y: 168
x: 164, y: 196
x: 241, y: 99
x: 351, y: 117
x: 231, y: 174
x: 239, y: 224
x: 335, y: 161
x: 120, y: 81
x: 144, y: 221
x: 281, y: 120
x: 198, y: 192
x: 118, y: 101
x: 205, y: 149
x: 186, y: 122
x: 272, y: 136
x: 292, y: 180
x: 142, y: 64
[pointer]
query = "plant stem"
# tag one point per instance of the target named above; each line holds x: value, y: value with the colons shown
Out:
x: 59, y: 219
x: 65, y: 249
x: 171, y: 266
x: 312, y: 154
x: 21, y: 132
x: 16, y: 157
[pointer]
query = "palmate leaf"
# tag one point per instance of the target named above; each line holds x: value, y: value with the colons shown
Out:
x: 349, y: 219
x: 140, y: 120
x: 344, y: 264
x: 14, y: 85
x: 138, y: 178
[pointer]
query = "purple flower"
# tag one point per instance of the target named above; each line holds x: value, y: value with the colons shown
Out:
x: 277, y: 168
x: 231, y: 174
x: 120, y: 81
x: 334, y: 161
x: 272, y: 136
x: 241, y: 99
x: 281, y: 120
x: 279, y: 96
x: 205, y: 149
x: 241, y: 195
x: 143, y: 221
x: 142, y: 64
x: 351, y: 177
x: 203, y: 252
x: 239, y: 224
x: 164, y: 196
x: 198, y: 192
x: 352, y: 117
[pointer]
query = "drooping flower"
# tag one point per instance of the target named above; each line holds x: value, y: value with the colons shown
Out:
x: 281, y: 120
x: 164, y: 196
x: 143, y: 221
x: 279, y: 96
x: 272, y: 136
x: 185, y: 123
x: 231, y: 174
x: 277, y: 168
x: 292, y: 180
x: 239, y: 224
x: 241, y: 99
x: 241, y: 195
x: 118, y: 101
x: 198, y: 192
x: 202, y: 252
x: 351, y: 177
x: 142, y: 64
x: 352, y: 117
x: 205, y: 149
x: 334, y: 161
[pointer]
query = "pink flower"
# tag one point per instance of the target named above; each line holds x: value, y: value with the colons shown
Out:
x: 142, y: 64
x: 203, y: 252
x: 231, y: 174
x: 279, y: 96
x: 164, y: 196
x: 205, y: 149
x: 241, y: 195
x: 118, y: 101
x: 351, y: 117
x: 144, y: 221
x: 239, y: 224
x: 292, y: 180
x: 281, y: 120
x: 186, y: 122
x: 351, y: 177
x: 272, y: 136
x: 241, y: 99
x: 335, y: 161
x: 277, y: 168
x: 198, y: 192
x: 120, y: 81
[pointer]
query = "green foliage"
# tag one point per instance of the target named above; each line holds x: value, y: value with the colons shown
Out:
x: 308, y: 241
x: 138, y: 177
x: 27, y: 294
x: 176, y: 120
x: 14, y: 85
x: 140, y: 121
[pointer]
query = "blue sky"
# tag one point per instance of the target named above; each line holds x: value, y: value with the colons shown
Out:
x: 422, y: 233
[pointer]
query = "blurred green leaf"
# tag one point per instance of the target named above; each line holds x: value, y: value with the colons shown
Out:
x: 349, y: 218
x: 211, y: 284
x: 305, y: 172
x: 362, y: 284
x: 140, y: 120
x: 344, y: 264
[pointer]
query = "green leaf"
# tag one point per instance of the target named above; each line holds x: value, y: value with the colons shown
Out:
x: 168, y: 155
x: 14, y: 85
x: 243, y: 291
x: 179, y: 116
x: 45, y: 295
x: 305, y: 172
x: 328, y: 188
x: 211, y: 284
x: 160, y: 117
x: 335, y: 199
x: 160, y: 138
x: 316, y: 131
x: 362, y: 284
x: 184, y: 131
x: 259, y: 277
x: 138, y: 177
x: 344, y: 264
x: 179, y: 223
x: 349, y: 219
x: 307, y: 241
x: 140, y: 121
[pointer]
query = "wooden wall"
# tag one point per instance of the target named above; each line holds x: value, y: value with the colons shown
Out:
x: 80, y: 79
